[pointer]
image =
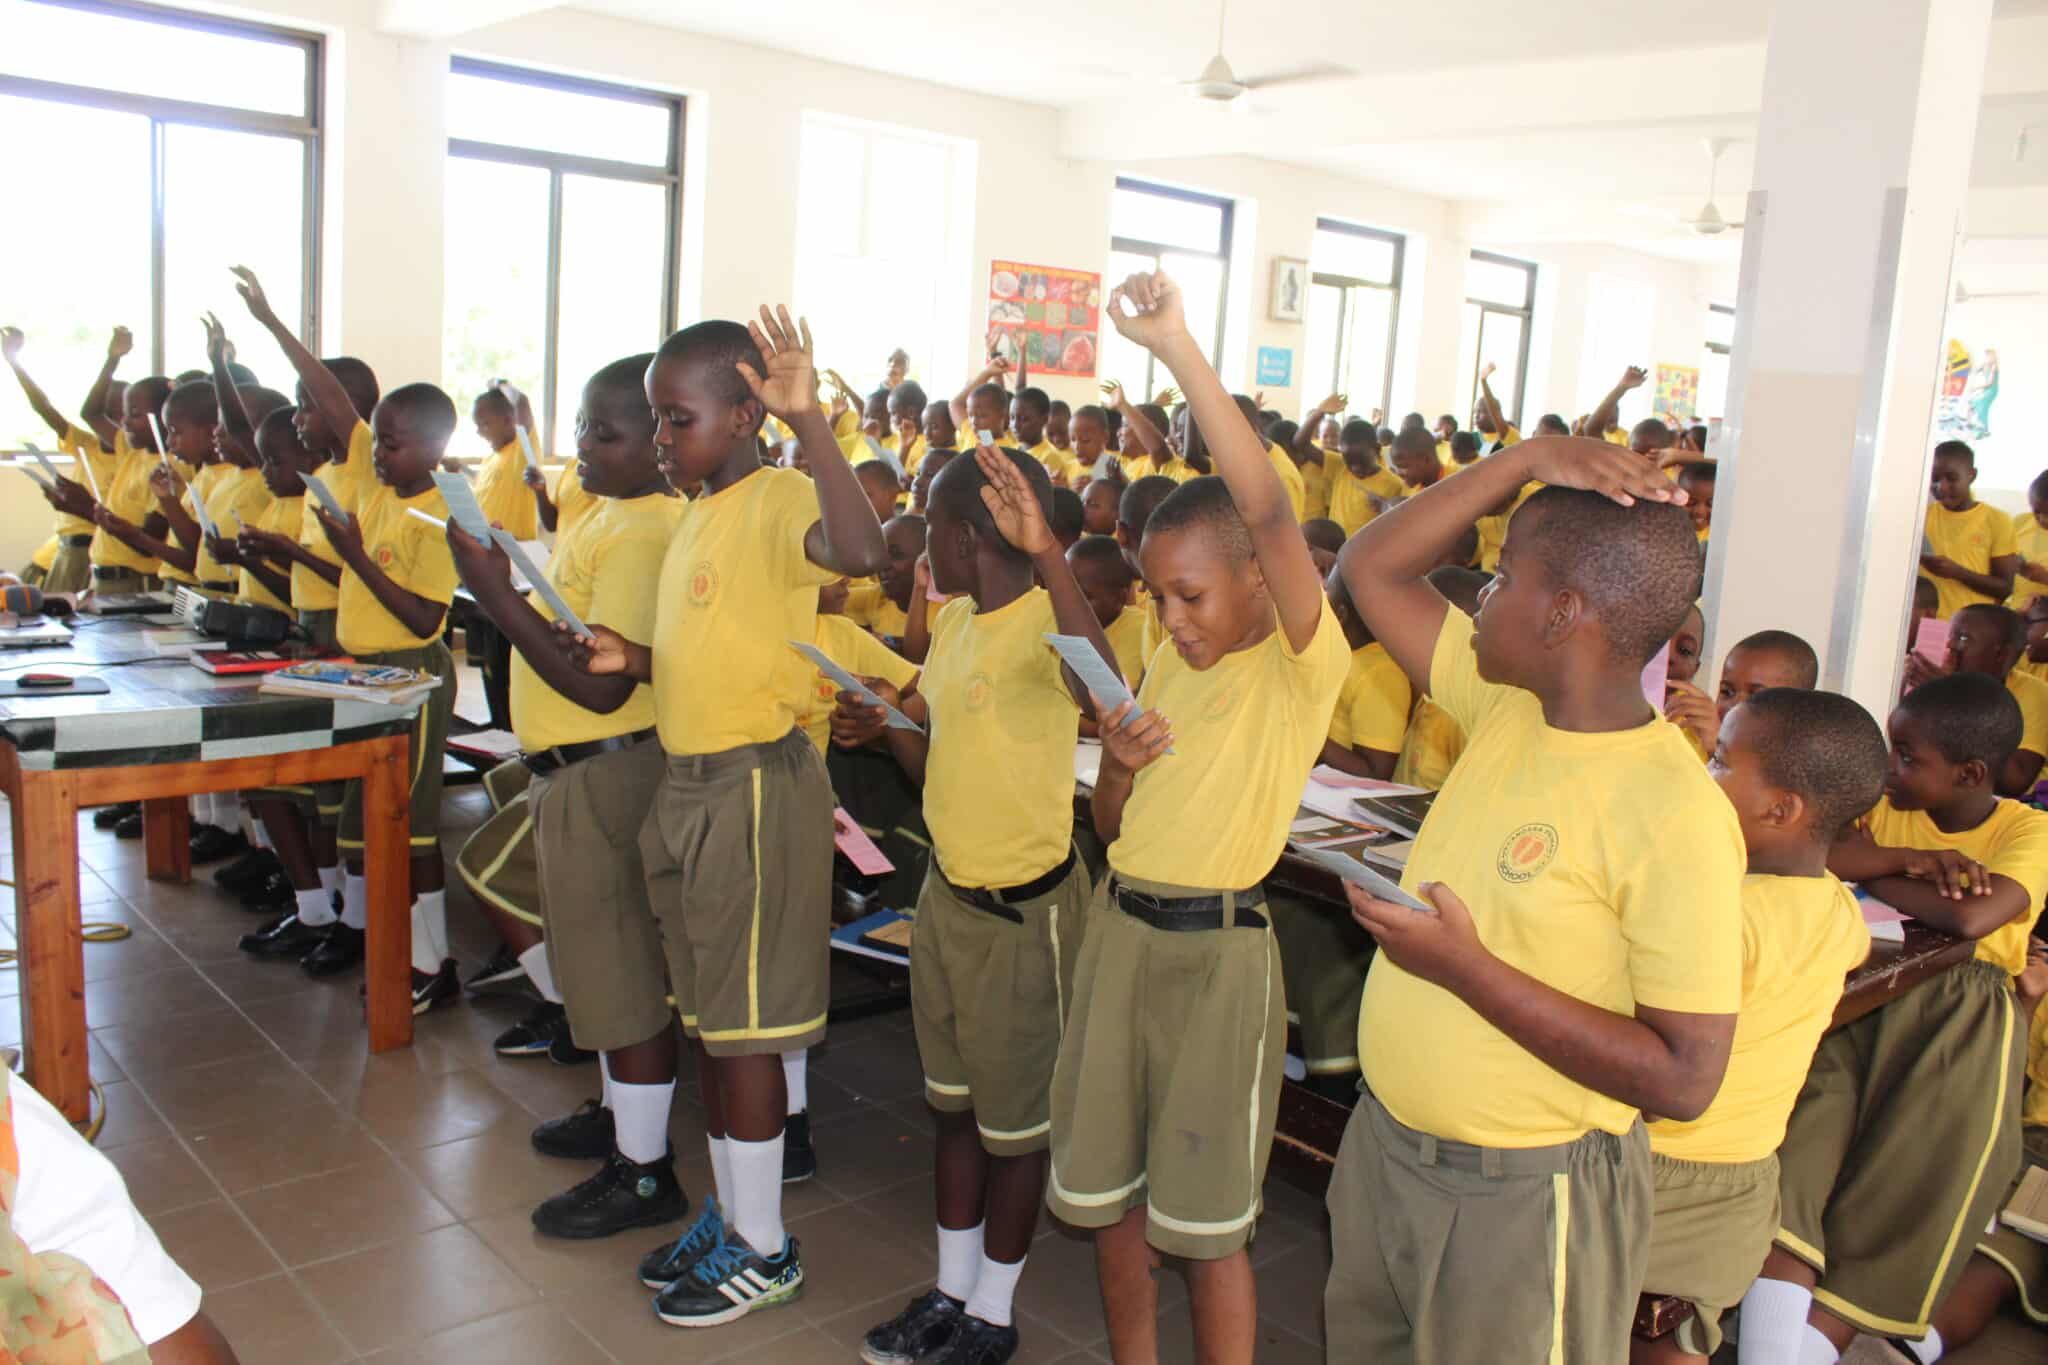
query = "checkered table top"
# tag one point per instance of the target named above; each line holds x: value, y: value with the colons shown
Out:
x: 165, y: 709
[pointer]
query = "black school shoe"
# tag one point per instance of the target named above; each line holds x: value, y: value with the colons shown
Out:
x: 129, y: 826
x: 286, y: 937
x: 273, y: 895
x: 926, y: 1324
x: 622, y: 1195
x: 502, y: 968
x: 729, y: 1282
x: 535, y: 1034
x: 586, y: 1135
x: 431, y: 990
x: 211, y: 843
x: 341, y: 949
x: 799, y: 1158
x: 564, y: 1052
x: 978, y: 1343
x: 106, y: 817
x: 251, y: 869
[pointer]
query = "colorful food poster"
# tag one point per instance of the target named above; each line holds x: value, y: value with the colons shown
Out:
x: 1678, y: 392
x: 1044, y: 317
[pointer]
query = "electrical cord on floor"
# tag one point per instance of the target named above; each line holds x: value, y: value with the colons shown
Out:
x: 92, y: 931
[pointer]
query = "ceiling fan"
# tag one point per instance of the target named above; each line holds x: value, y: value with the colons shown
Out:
x: 1708, y: 222
x: 1221, y: 85
x: 1963, y: 295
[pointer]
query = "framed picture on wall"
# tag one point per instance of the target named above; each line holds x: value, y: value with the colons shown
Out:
x: 1290, y: 290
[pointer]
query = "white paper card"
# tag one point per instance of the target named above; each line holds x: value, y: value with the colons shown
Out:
x: 1099, y: 678
x: 848, y: 683
x: 525, y: 568
x: 320, y: 490
x: 1358, y: 874
x: 526, y: 448
x: 463, y: 508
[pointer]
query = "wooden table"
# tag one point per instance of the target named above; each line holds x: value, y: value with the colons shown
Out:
x: 163, y: 732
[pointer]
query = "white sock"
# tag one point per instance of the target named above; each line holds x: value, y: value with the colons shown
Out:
x: 1929, y: 1348
x: 604, y: 1069
x: 429, y: 931
x: 796, y: 1079
x: 721, y: 1170
x: 994, y: 1288
x: 355, y: 902
x: 200, y: 807
x: 535, y: 960
x: 315, y: 909
x: 1816, y: 1349
x: 259, y: 833
x: 756, y: 1210
x: 330, y: 880
x: 1774, y: 1321
x: 959, y: 1261
x: 640, y: 1117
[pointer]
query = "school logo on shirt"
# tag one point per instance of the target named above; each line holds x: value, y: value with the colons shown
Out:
x: 384, y: 556
x: 703, y: 585
x: 979, y: 689
x: 1526, y: 852
x: 1220, y: 704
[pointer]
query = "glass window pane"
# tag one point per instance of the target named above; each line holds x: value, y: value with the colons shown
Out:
x: 1492, y: 282
x: 1350, y: 254
x: 82, y: 47
x: 614, y: 255
x: 1468, y: 362
x: 573, y: 122
x: 494, y: 310
x: 1128, y: 364
x: 260, y: 225
x: 1322, y: 375
x: 1501, y: 346
x: 1713, y: 395
x: 1167, y: 220
x: 1721, y: 326
x: 1370, y: 322
x: 1201, y: 291
x: 832, y: 168
x: 75, y: 271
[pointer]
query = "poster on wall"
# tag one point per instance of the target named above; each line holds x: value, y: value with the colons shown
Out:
x: 1678, y: 393
x: 1969, y: 386
x: 1044, y: 317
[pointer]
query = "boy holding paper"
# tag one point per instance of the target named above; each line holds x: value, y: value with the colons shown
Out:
x: 504, y: 418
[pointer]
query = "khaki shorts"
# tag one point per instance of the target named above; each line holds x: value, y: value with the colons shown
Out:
x: 604, y: 945
x: 1901, y: 1146
x: 498, y: 862
x: 989, y: 985
x: 1446, y: 1252
x: 70, y: 570
x: 1168, y: 1078
x: 1323, y: 955
x: 1710, y: 1229
x: 429, y: 749
x: 738, y: 853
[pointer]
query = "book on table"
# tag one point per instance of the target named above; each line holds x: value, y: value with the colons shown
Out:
x: 382, y: 683
x: 230, y: 662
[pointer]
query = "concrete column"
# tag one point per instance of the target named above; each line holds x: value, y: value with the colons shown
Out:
x: 1863, y: 158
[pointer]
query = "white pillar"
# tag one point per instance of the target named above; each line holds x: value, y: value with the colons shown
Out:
x: 1863, y: 158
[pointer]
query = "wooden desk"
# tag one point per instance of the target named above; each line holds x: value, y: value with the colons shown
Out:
x: 164, y: 731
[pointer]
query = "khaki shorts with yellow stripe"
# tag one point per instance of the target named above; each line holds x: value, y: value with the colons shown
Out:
x: 498, y: 862
x: 1169, y: 1077
x: 1710, y: 1229
x: 429, y: 749
x: 989, y: 985
x: 1443, y: 1251
x: 1901, y: 1145
x: 738, y: 854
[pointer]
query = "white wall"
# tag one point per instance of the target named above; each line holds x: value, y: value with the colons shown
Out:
x: 2013, y: 454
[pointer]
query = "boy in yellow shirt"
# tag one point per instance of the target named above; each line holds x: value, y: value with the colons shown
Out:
x: 1106, y: 581
x: 1488, y: 419
x: 1799, y: 767
x: 737, y: 846
x: 1142, y: 447
x: 501, y: 488
x: 1576, y: 969
x: 1908, y: 1127
x: 1090, y: 428
x: 1970, y: 552
x: 1371, y: 717
x: 2030, y: 546
x: 69, y: 566
x: 1991, y: 640
x: 1767, y: 659
x: 999, y: 918
x: 1099, y: 504
x: 1359, y: 484
x: 1414, y: 459
x: 188, y: 416
x: 982, y: 404
x: 1165, y: 1093
x: 1030, y: 410
x: 883, y: 604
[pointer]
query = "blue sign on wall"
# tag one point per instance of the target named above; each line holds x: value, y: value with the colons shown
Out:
x: 1276, y: 366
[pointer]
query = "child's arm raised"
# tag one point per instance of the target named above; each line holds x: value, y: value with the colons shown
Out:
x: 1383, y: 565
x: 1154, y: 320
x: 488, y: 574
x: 234, y: 418
x: 846, y: 537
x: 94, y: 409
x: 1493, y: 412
x: 1148, y: 435
x: 327, y: 395
x: 11, y: 342
x: 917, y: 618
x: 958, y: 404
x: 1609, y: 410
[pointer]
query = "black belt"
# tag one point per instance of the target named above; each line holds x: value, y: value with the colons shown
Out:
x: 75, y: 542
x: 998, y: 900
x: 562, y: 755
x: 114, y: 572
x: 1189, y: 913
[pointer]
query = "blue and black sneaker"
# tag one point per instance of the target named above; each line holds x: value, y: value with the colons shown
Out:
x: 670, y: 1261
x: 729, y: 1282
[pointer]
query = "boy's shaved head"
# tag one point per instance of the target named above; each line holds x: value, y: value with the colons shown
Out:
x: 1357, y: 430
x: 1967, y: 716
x: 1650, y: 434
x: 956, y: 496
x: 1637, y: 568
x: 1925, y: 595
x: 1795, y: 651
x: 1068, y: 516
x: 1459, y: 587
x: 1956, y: 450
x: 1323, y: 534
x: 430, y: 411
x: 718, y: 348
x: 1550, y: 424
x: 1824, y: 749
x: 625, y: 372
x: 907, y: 399
x: 1414, y: 441
x: 879, y: 474
x: 275, y: 430
x: 259, y: 402
x: 991, y: 393
x: 1034, y: 400
x: 149, y: 392
x: 1101, y: 555
x: 193, y: 402
x: 358, y: 380
x: 1135, y: 508
x: 1203, y: 506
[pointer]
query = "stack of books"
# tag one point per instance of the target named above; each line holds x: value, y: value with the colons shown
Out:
x: 381, y: 683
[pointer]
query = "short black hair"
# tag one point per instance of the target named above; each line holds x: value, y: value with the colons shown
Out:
x: 2001, y: 618
x: 277, y: 425
x: 1652, y: 430
x: 957, y: 490
x: 1968, y: 715
x: 1638, y: 568
x: 1156, y: 415
x: 1956, y: 450
x: 358, y: 380
x: 1284, y: 432
x: 1204, y: 506
x: 628, y: 371
x: 1925, y: 594
x: 1414, y: 422
x: 185, y: 377
x: 494, y: 401
x: 995, y: 391
x: 909, y: 396
x: 1698, y: 432
x: 2039, y: 487
x: 1697, y: 470
x: 1034, y: 400
x: 259, y: 402
x: 1554, y: 424
x: 1135, y: 508
x: 1447, y: 417
x: 1824, y: 749
x: 240, y: 373
x: 1466, y: 444
x: 1103, y: 553
x: 1460, y: 587
x: 426, y: 405
x: 1785, y: 643
x: 1414, y: 441
x: 1358, y: 429
x: 720, y: 347
x: 1093, y: 412
x: 881, y: 471
x: 149, y: 391
x: 1067, y: 517
x: 1059, y: 406
x: 193, y: 401
x: 1323, y: 534
x: 1386, y: 435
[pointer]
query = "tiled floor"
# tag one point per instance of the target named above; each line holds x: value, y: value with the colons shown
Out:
x: 338, y: 1207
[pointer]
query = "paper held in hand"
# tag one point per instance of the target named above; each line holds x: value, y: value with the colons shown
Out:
x: 463, y: 508
x: 848, y: 683
x: 526, y: 449
x: 200, y: 514
x: 1360, y: 875
x: 538, y: 582
x: 325, y: 496
x: 1103, y: 682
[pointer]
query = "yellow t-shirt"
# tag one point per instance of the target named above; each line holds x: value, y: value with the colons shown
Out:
x: 877, y: 613
x: 2032, y: 695
x: 502, y: 492
x: 1576, y: 882
x: 1493, y: 531
x: 606, y: 568
x: 912, y: 458
x: 45, y: 555
x: 1139, y: 466
x: 724, y: 674
x: 1127, y: 638
x: 860, y: 654
x: 1058, y: 463
x: 281, y: 515
x: 571, y: 500
x: 2029, y: 542
x: 233, y: 492
x: 311, y: 592
x: 1315, y: 490
x: 125, y: 492
x: 84, y: 447
x: 2013, y: 843
x: 1152, y: 632
x: 2031, y: 669
x: 1616, y: 437
x: 1290, y: 478
x: 1351, y: 497
x: 1431, y: 747
x: 1214, y: 813
x: 998, y: 703
x: 1972, y: 538
x: 1372, y: 706
x: 199, y: 483
x: 411, y: 554
x: 1800, y: 937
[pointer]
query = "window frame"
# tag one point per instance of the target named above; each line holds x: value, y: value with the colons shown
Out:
x: 1527, y: 313
x: 1138, y: 246
x: 1344, y: 284
x: 560, y: 164
x: 163, y: 112
x: 1727, y: 310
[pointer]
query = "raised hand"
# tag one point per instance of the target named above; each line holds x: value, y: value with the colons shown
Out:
x: 1146, y: 309
x: 791, y: 384
x: 1487, y: 373
x: 1599, y: 467
x: 120, y: 343
x: 251, y: 290
x: 1631, y: 378
x: 1167, y: 397
x: 1332, y: 405
x: 1113, y: 393
x: 216, y: 339
x: 1011, y: 503
x: 11, y: 342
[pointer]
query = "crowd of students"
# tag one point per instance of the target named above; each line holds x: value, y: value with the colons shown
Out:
x: 1594, y: 1063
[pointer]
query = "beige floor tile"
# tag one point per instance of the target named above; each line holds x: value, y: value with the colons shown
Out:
x: 408, y: 1289
x: 870, y: 1061
x: 162, y: 1176
x: 149, y: 1000
x: 562, y: 1269
x: 539, y: 1334
x: 846, y: 1265
x: 246, y: 981
x: 201, y: 1098
x: 869, y: 1152
x: 339, y: 1212
x: 279, y: 1144
x: 541, y: 1088
x: 494, y: 1172
x: 1291, y: 1290
x: 130, y: 1117
x: 272, y: 1322
x: 406, y: 1107
x: 214, y: 1245
x: 147, y: 1050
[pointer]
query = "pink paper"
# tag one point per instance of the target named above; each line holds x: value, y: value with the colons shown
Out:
x: 1655, y: 673
x: 850, y: 839
x: 1931, y: 643
x: 1877, y: 912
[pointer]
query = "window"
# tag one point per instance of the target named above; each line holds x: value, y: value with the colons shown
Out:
x: 884, y: 261
x: 1618, y: 315
x: 1713, y: 395
x: 137, y: 195
x: 1354, y: 301
x: 563, y: 216
x: 1500, y: 298
x: 1187, y: 235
